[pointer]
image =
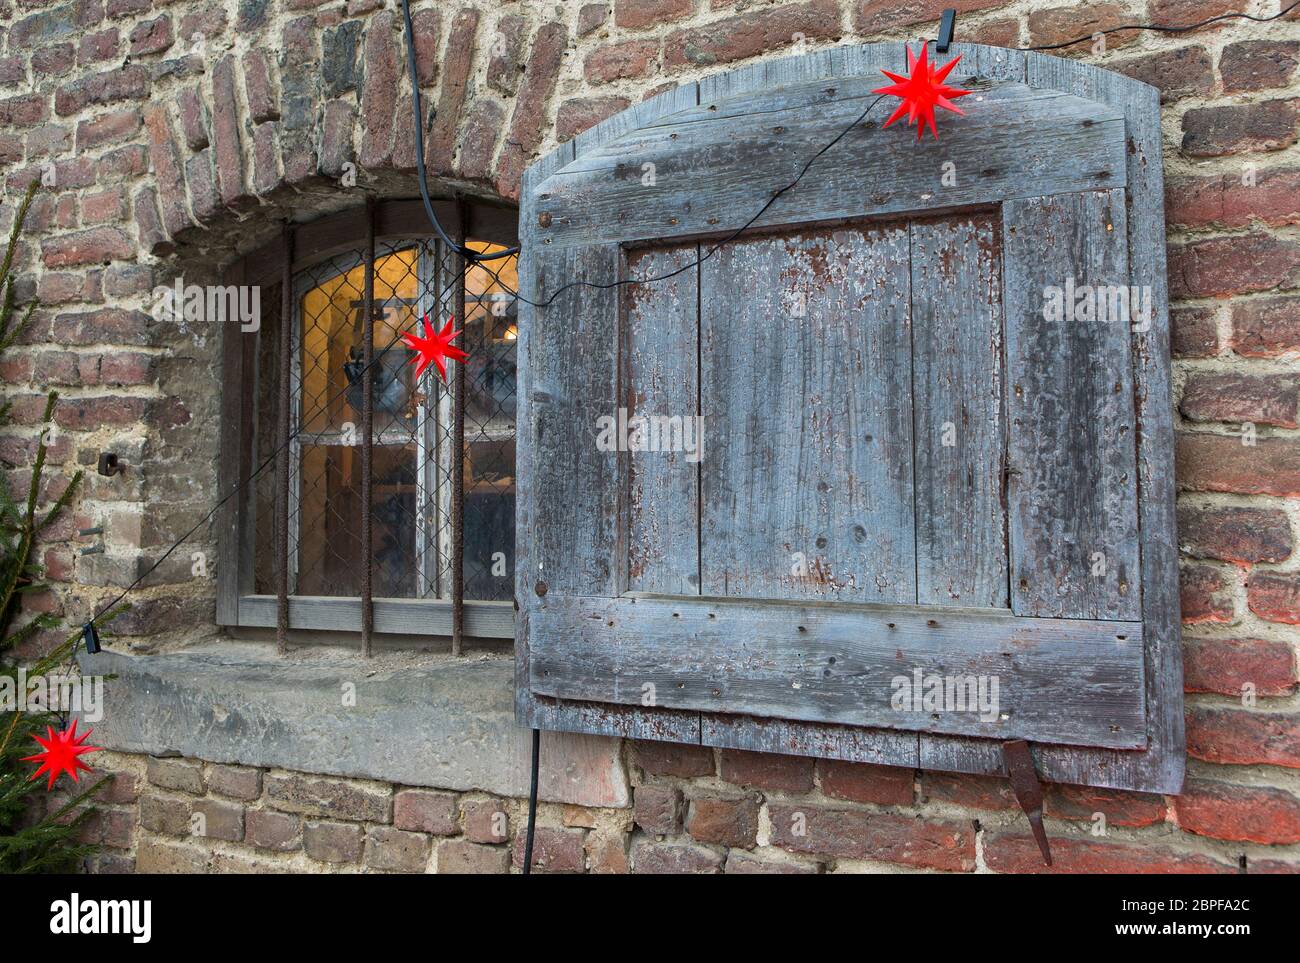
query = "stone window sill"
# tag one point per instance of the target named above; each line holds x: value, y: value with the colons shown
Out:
x: 414, y: 721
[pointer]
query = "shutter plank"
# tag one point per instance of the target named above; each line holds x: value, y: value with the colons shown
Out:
x: 1072, y: 492
x: 961, y: 546
x: 1067, y: 681
x: 573, y: 354
x: 806, y: 482
x: 661, y: 365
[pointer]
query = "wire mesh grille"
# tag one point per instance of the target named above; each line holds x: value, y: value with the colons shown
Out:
x: 413, y: 453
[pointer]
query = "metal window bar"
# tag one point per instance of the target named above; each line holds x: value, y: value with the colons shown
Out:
x: 418, y: 502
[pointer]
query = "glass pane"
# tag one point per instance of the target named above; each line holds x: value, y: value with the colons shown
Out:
x: 490, y: 331
x: 330, y: 397
x: 330, y: 539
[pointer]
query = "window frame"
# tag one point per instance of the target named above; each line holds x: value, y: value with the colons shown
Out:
x: 312, y: 243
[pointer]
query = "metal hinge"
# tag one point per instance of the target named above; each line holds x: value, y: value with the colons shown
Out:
x: 1029, y: 793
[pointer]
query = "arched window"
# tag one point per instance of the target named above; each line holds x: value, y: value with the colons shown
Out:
x: 436, y: 481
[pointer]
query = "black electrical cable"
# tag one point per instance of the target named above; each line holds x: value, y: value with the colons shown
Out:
x: 417, y: 112
x: 532, y: 804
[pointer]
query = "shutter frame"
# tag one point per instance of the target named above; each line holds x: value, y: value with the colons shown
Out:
x: 1159, y: 767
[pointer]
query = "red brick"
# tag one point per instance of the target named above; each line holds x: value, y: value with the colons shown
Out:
x: 54, y: 60
x: 674, y: 759
x: 1082, y: 803
x: 507, y: 63
x: 526, y: 123
x: 226, y: 149
x: 1186, y: 12
x: 124, y: 83
x: 235, y: 782
x: 1244, y: 738
x: 424, y: 811
x: 96, y: 246
x: 104, y: 206
x: 1194, y: 332
x: 741, y: 863
x: 151, y: 36
x: 1243, y: 535
x: 204, y: 199
x: 268, y: 829
x: 854, y: 834
x: 427, y: 24
x: 674, y: 859
x: 1227, y: 665
x: 479, y: 140
x: 724, y: 821
x: 333, y: 842
x: 592, y: 16
x: 1221, y: 463
x: 379, y: 93
x: 1233, y: 200
x: 1249, y: 814
x: 767, y: 770
x: 607, y: 855
x: 1185, y: 72
x: 266, y: 168
x: 862, y: 782
x: 1258, y: 64
x: 166, y: 163
x: 87, y: 414
x: 336, y: 140
x: 973, y: 792
x: 873, y: 16
x: 1060, y: 24
x: 658, y: 809
x: 486, y: 821
x: 554, y: 850
x: 1266, y: 327
x: 639, y: 14
x: 392, y: 849
x: 1221, y: 266
x: 750, y: 34
x: 108, y: 128
x: 118, y: 9
x: 25, y: 110
x: 1018, y: 853
x: 632, y: 58
x: 124, y: 163
x: 456, y: 856
x: 580, y: 113
x: 262, y: 102
x: 97, y: 47
x: 1238, y: 128
x: 457, y: 62
x: 1275, y: 596
x: 1206, y: 595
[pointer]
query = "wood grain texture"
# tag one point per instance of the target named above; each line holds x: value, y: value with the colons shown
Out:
x: 806, y: 487
x: 661, y: 377
x: 961, y: 543
x: 1015, y: 141
x: 1058, y: 680
x: 1072, y: 490
x: 424, y: 617
x: 233, y: 523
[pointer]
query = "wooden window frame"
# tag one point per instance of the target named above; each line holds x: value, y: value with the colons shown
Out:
x: 587, y: 233
x: 313, y: 243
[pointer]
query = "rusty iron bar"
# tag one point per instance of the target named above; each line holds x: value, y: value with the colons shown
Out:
x: 282, y: 456
x: 458, y: 459
x: 368, y: 437
x: 1028, y: 791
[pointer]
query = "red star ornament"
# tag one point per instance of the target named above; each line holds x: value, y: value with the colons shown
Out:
x: 61, y: 752
x: 434, y: 348
x: 922, y: 91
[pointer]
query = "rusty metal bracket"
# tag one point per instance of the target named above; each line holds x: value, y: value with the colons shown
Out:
x: 1029, y: 792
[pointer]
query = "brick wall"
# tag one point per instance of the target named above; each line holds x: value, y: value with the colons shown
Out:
x: 180, y: 132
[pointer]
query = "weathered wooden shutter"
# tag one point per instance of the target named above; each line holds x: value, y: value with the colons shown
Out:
x: 937, y: 436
